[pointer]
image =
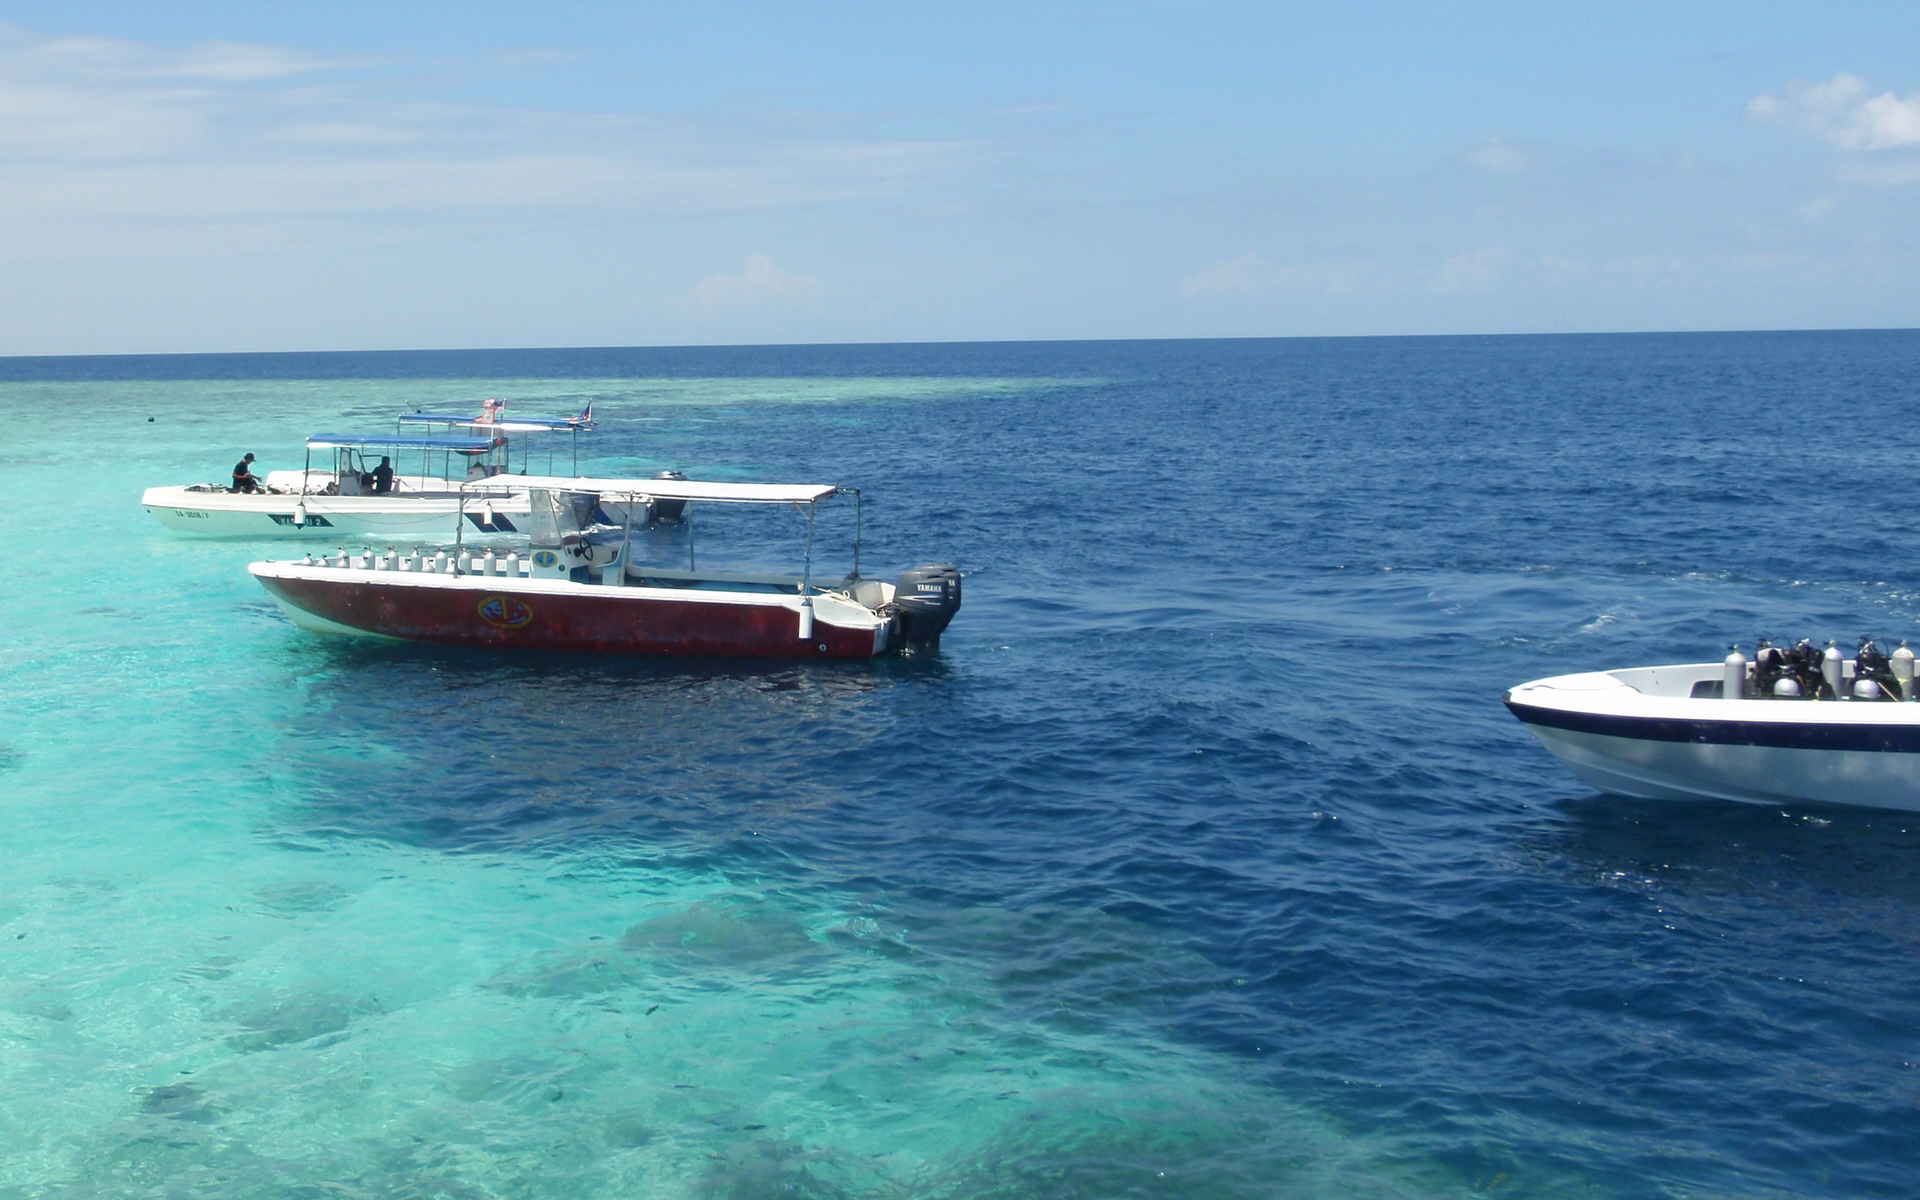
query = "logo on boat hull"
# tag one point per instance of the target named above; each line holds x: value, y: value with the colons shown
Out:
x: 504, y: 612
x: 545, y: 558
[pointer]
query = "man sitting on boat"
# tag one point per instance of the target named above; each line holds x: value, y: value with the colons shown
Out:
x: 244, y: 480
x: 383, y: 477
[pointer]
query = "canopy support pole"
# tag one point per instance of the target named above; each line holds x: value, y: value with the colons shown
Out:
x: 626, y: 543
x: 806, y: 573
x: 459, y: 528
x: 858, y: 502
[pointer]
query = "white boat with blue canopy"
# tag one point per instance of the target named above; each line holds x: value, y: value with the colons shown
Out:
x: 536, y: 433
x: 340, y: 491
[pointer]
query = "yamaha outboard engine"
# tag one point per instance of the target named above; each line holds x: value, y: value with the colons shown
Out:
x: 926, y: 598
x: 669, y: 510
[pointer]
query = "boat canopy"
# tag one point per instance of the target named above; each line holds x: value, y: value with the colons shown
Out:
x: 387, y: 441
x: 665, y: 489
x: 517, y: 425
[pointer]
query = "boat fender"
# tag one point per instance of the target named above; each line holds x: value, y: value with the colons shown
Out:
x: 806, y: 619
x: 1903, y: 671
x: 1831, y: 670
x: 1734, y: 685
x: 299, y: 515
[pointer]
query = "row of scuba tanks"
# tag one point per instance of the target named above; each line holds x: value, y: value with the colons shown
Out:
x: 1805, y: 672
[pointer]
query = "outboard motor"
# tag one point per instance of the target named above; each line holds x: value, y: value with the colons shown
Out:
x: 669, y: 510
x: 925, y: 599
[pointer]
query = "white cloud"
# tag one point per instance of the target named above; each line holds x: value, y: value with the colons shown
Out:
x: 760, y: 284
x: 1846, y: 112
x: 154, y: 144
x: 1473, y: 271
x: 1817, y: 208
x: 1253, y: 277
x: 1499, y: 156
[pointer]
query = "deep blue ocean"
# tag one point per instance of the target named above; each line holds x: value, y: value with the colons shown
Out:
x: 1202, y: 861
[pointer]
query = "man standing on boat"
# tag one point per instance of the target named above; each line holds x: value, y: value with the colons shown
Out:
x: 244, y: 480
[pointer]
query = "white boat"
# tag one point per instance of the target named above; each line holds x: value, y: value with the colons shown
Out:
x: 336, y: 499
x: 1823, y: 728
x: 493, y: 420
x: 584, y: 583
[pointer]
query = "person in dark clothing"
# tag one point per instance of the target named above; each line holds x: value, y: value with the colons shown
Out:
x: 244, y: 479
x: 383, y: 477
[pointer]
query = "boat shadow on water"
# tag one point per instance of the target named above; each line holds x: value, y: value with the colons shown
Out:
x: 347, y: 657
x: 539, y: 752
x: 1820, y: 852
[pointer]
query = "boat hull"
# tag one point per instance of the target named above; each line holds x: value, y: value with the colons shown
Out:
x: 1673, y: 747
x: 399, y: 518
x: 504, y: 613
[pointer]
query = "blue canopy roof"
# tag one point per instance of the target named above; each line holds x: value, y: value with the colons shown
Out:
x: 387, y: 441
x: 510, y: 425
x: 434, y: 419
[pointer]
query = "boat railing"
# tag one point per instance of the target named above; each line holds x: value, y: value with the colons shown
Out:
x: 512, y: 564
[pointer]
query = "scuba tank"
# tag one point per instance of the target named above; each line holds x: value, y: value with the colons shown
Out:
x: 1734, y: 675
x: 1833, y: 672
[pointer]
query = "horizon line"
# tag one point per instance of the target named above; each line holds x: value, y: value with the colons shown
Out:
x: 947, y: 342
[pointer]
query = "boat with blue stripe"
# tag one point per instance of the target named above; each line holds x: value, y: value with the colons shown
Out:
x: 1791, y: 726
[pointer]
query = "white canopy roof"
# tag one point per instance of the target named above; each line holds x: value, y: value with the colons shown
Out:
x: 664, y: 489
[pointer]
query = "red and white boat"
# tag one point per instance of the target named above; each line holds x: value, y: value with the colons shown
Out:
x: 584, y: 582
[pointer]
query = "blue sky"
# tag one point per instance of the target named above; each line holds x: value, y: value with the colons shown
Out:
x: 223, y: 176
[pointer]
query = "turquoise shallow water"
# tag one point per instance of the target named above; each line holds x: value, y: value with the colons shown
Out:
x: 210, y: 991
x: 1201, y: 862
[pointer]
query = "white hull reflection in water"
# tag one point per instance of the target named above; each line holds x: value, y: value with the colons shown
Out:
x: 1673, y: 733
